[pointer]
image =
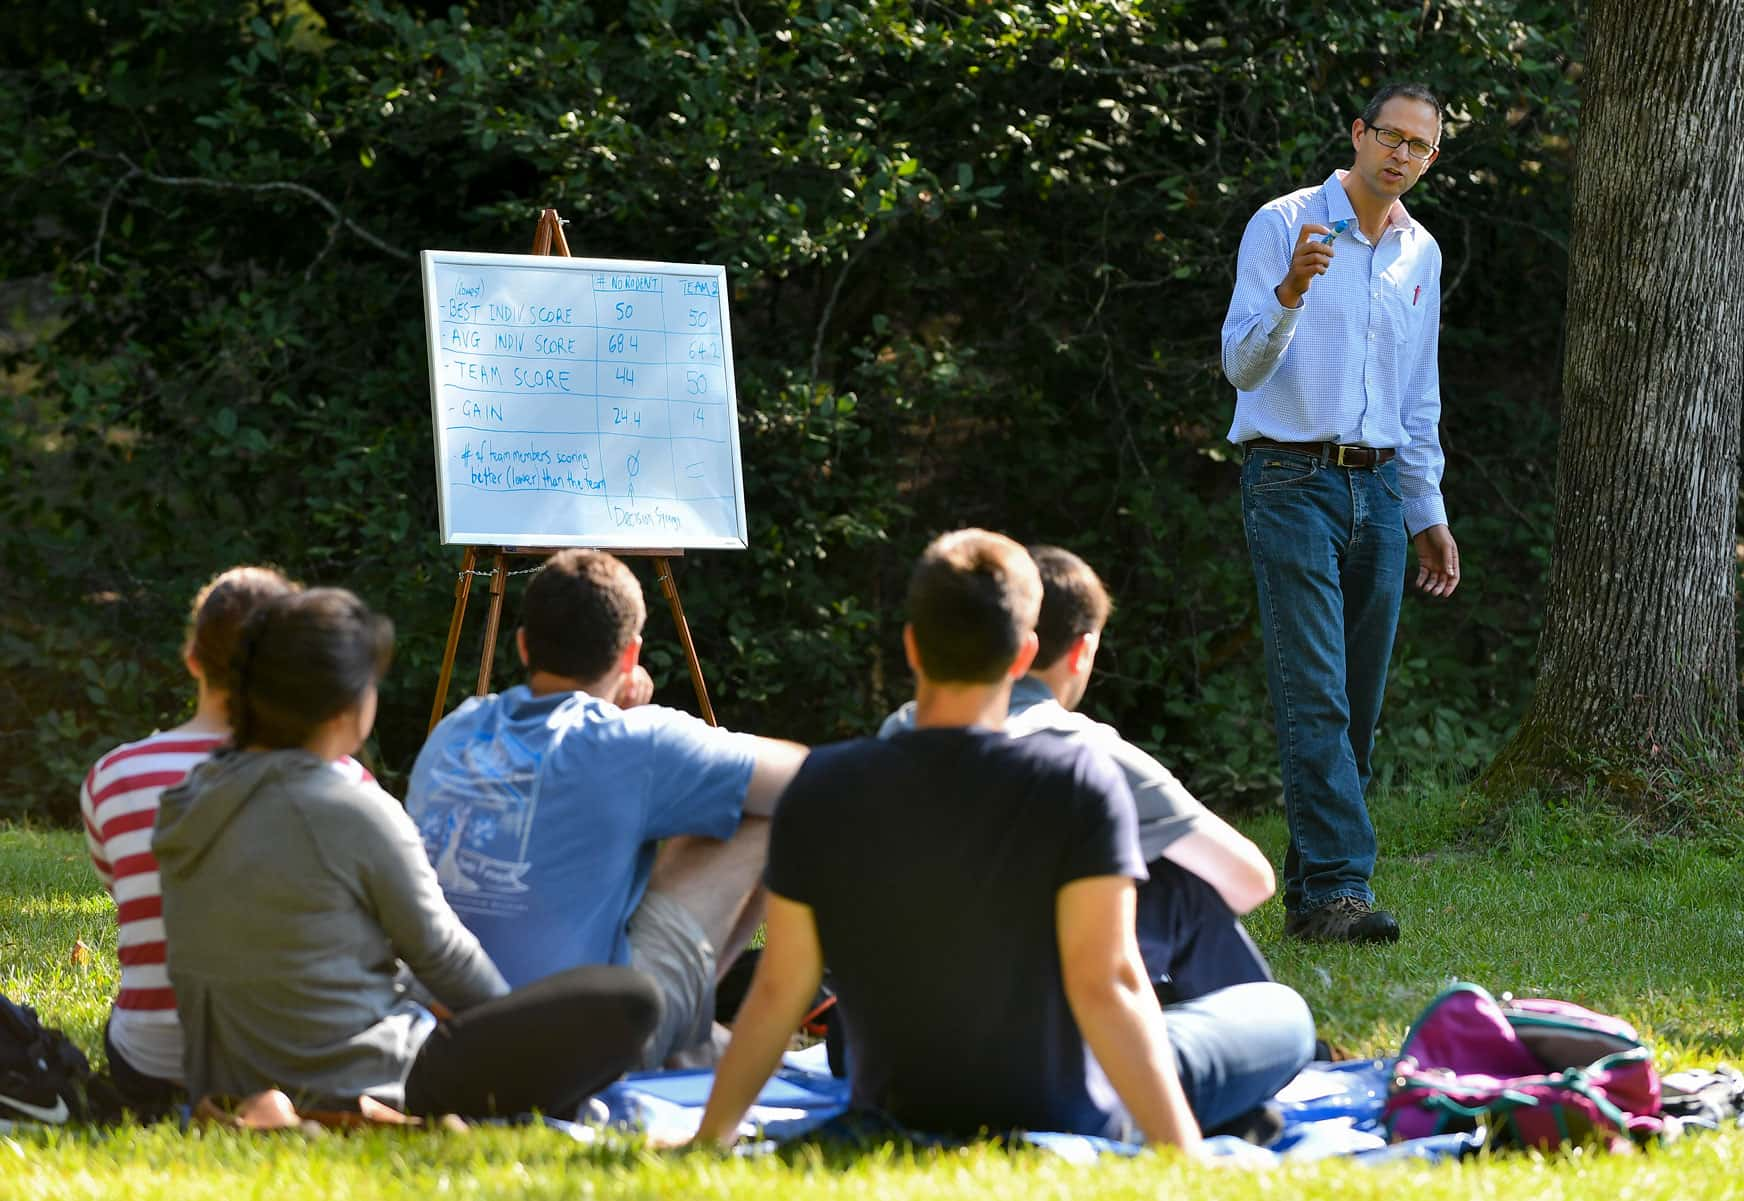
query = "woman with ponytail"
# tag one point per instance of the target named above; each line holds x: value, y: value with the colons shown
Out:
x: 291, y: 896
x: 119, y: 800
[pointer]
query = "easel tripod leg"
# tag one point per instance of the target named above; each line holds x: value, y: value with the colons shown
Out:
x: 668, y: 585
x: 462, y: 589
x: 493, y: 620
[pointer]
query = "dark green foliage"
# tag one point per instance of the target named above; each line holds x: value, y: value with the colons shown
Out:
x: 979, y: 257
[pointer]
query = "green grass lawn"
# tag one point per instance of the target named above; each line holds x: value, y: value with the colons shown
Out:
x: 1564, y: 904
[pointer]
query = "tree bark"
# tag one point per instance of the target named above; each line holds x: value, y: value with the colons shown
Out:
x: 1636, y: 659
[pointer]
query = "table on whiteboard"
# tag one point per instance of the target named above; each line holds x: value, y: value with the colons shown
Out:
x: 582, y: 402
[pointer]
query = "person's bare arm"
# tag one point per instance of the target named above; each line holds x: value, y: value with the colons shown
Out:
x: 1226, y: 859
x: 786, y: 981
x: 1211, y: 849
x: 777, y: 763
x: 1116, y: 1008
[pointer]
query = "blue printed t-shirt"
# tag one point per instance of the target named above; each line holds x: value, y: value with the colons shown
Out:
x: 932, y: 861
x: 541, y: 814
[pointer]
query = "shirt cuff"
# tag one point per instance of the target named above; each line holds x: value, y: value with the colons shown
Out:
x: 1424, y: 512
x: 1285, y: 318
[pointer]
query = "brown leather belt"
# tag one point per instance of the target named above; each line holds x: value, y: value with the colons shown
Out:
x: 1329, y: 452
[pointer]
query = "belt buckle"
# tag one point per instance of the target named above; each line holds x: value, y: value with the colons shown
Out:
x: 1339, y: 459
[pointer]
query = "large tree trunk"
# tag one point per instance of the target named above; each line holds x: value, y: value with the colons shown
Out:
x: 1636, y: 660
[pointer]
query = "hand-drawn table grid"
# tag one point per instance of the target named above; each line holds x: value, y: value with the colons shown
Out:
x: 641, y: 354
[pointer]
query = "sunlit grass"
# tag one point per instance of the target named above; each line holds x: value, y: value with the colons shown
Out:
x: 1580, y: 907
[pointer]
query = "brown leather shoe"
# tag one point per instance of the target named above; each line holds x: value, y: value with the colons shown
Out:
x: 1343, y: 919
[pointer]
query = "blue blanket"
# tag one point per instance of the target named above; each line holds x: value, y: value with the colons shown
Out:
x: 1330, y: 1109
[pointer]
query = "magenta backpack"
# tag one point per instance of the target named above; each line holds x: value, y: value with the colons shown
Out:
x: 1530, y: 1072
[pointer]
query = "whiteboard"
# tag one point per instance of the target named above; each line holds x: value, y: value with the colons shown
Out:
x: 582, y: 402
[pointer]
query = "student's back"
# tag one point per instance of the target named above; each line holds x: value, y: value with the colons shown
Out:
x: 932, y: 862
x: 291, y: 896
x: 541, y: 814
x: 119, y: 801
x: 289, y: 891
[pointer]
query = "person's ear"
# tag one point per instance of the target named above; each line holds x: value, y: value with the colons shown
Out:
x: 911, y: 649
x: 1026, y: 654
x: 630, y: 656
x: 1357, y: 129
x: 521, y: 644
x: 1082, y: 655
x: 193, y: 665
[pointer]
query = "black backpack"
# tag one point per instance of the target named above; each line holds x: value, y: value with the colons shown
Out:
x: 43, y: 1076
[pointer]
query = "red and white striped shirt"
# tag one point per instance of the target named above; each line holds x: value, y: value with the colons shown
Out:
x: 119, y: 802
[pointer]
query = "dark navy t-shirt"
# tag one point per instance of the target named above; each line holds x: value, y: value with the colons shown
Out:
x: 931, y: 861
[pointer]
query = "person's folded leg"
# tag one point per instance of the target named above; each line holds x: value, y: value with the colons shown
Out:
x: 146, y: 1097
x: 1236, y: 1047
x: 671, y: 947
x: 547, y: 1046
x: 1191, y: 941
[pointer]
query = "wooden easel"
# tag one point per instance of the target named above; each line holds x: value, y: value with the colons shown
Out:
x: 549, y: 239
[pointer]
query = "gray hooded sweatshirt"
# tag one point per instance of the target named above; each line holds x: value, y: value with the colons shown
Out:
x: 288, y: 893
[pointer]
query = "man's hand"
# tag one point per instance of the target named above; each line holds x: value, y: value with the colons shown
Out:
x: 1437, y: 561
x: 636, y: 688
x: 1312, y: 258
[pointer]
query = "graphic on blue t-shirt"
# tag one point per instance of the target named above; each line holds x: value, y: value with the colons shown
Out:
x: 477, y: 820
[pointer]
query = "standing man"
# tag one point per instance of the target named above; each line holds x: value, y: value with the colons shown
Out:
x: 1330, y: 341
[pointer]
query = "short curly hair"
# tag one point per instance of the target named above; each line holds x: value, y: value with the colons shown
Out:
x: 581, y: 610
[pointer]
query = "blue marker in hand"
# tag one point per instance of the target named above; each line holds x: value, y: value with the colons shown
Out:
x: 1338, y: 227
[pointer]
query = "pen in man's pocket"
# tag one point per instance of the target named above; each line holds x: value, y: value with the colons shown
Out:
x: 1415, y: 293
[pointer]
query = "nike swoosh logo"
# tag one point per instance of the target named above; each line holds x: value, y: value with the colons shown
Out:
x: 58, y: 1114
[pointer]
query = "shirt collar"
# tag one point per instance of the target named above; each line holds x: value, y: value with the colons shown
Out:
x: 1029, y: 691
x: 1338, y: 206
x: 522, y: 701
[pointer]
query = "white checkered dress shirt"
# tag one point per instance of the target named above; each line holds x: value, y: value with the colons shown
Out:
x: 1356, y: 363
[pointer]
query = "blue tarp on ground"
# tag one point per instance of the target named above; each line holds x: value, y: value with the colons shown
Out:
x: 1330, y: 1109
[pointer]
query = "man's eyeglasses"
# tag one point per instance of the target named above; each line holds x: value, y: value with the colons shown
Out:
x: 1392, y: 139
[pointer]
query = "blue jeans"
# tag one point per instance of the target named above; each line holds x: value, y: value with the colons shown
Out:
x: 1328, y: 550
x: 1236, y: 1047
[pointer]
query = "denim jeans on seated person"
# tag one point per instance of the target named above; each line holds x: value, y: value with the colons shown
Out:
x: 1328, y: 551
x: 1236, y: 1047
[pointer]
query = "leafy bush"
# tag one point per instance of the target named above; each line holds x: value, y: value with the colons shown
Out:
x: 978, y: 255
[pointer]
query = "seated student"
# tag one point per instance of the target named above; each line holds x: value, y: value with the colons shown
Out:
x: 289, y: 892
x: 119, y: 799
x: 950, y: 870
x: 1203, y: 872
x: 543, y: 809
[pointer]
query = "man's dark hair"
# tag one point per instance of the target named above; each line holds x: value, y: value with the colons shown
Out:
x: 1410, y: 91
x: 304, y: 658
x: 1074, y: 602
x: 972, y: 598
x: 219, y: 612
x: 580, y: 612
